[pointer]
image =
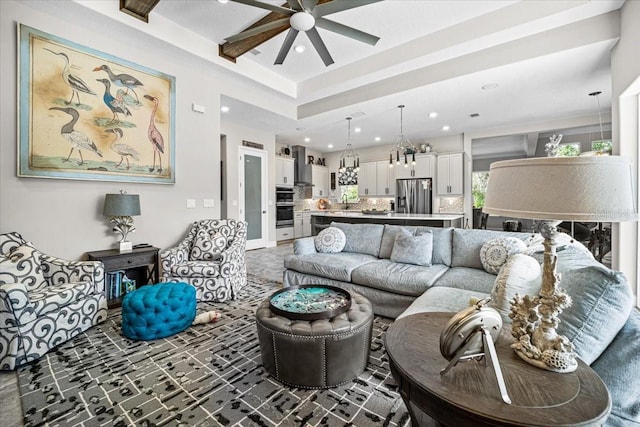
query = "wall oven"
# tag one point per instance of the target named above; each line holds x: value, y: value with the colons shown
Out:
x: 284, y: 207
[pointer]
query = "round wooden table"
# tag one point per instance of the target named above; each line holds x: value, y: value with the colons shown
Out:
x: 468, y: 394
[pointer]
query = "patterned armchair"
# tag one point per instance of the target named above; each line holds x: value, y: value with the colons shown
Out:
x: 211, y: 258
x: 44, y: 301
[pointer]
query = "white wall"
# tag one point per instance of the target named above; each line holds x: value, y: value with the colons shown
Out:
x: 64, y: 217
x: 625, y: 69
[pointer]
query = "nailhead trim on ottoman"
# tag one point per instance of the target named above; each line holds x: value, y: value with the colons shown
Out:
x: 316, y: 354
x: 158, y: 311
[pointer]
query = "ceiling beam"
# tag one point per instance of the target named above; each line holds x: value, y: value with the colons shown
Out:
x: 138, y: 8
x: 232, y: 51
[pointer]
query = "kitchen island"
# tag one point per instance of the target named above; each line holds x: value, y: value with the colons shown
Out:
x: 321, y: 220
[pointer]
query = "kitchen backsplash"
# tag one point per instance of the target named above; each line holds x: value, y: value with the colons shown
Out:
x: 451, y: 204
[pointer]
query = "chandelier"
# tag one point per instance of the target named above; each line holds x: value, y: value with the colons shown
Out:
x: 349, y: 158
x: 402, y: 147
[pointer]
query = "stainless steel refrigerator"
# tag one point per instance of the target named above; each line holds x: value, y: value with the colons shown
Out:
x: 413, y: 195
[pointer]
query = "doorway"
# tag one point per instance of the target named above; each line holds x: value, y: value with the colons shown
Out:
x: 253, y: 188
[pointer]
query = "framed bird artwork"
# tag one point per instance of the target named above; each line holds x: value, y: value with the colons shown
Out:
x: 86, y: 114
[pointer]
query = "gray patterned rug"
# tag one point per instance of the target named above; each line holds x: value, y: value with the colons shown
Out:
x: 208, y: 375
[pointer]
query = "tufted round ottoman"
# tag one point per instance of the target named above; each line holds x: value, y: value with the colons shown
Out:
x: 158, y: 311
x: 318, y: 353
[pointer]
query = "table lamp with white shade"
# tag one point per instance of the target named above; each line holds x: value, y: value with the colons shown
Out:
x: 556, y: 189
x: 120, y: 208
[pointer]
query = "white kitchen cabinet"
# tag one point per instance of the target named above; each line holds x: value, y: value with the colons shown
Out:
x: 284, y: 171
x: 302, y: 224
x: 367, y: 179
x: 424, y: 168
x: 284, y: 233
x: 320, y: 181
x: 450, y: 174
x: 385, y: 179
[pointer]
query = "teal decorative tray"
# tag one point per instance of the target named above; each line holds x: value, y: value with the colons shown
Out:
x: 310, y: 302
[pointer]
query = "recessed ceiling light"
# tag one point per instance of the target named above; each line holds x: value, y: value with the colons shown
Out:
x: 489, y: 86
x: 357, y: 130
x: 224, y: 109
x: 377, y: 139
x: 223, y: 1
x: 330, y: 146
x: 433, y: 115
x: 300, y: 48
x: 445, y: 128
x: 307, y: 139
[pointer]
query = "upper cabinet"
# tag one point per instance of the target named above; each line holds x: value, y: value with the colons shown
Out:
x: 385, y: 179
x: 320, y: 181
x: 376, y: 179
x: 284, y: 171
x: 424, y: 168
x: 367, y: 179
x: 450, y: 173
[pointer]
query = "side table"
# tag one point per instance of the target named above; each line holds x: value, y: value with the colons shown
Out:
x: 468, y: 394
x: 141, y: 265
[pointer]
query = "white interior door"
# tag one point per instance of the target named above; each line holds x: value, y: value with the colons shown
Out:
x: 253, y: 192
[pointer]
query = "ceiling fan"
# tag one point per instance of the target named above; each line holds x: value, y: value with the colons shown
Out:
x: 306, y: 15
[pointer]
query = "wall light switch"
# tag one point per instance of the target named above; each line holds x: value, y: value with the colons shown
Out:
x: 207, y: 203
x: 197, y: 108
x: 191, y: 203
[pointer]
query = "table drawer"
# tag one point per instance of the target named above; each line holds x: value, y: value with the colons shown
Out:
x: 133, y: 260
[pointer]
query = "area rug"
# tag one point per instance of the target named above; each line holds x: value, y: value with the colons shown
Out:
x: 208, y: 375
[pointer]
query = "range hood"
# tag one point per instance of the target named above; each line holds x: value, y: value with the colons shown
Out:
x: 302, y: 173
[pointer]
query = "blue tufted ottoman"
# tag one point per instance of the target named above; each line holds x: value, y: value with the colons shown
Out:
x: 158, y: 311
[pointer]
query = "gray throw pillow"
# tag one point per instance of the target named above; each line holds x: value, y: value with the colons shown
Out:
x: 417, y: 250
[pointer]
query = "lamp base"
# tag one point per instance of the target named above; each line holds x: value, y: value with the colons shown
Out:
x: 535, y: 319
x: 126, y: 246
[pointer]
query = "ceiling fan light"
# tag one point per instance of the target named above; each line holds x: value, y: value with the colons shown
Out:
x: 302, y: 21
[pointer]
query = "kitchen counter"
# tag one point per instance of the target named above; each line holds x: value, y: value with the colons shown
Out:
x: 321, y: 220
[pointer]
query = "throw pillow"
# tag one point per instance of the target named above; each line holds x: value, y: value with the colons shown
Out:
x: 410, y: 249
x: 23, y: 265
x: 331, y: 240
x: 495, y: 252
x: 520, y: 275
x: 207, y: 245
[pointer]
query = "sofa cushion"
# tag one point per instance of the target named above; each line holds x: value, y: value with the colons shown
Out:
x: 53, y: 298
x: 333, y: 266
x: 468, y: 243
x: 361, y: 238
x: 23, y: 265
x: 602, y: 301
x: 410, y: 249
x: 520, y: 275
x: 472, y: 279
x: 398, y: 278
x: 207, y: 245
x: 442, y: 299
x: 331, y: 240
x: 389, y: 238
x: 495, y: 252
x: 442, y: 242
x: 619, y: 368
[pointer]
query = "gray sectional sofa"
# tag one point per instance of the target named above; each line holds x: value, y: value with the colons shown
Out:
x: 602, y: 322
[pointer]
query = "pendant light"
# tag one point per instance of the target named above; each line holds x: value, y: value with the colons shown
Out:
x: 402, y: 147
x: 349, y: 158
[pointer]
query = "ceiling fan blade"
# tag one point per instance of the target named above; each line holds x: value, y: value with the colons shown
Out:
x: 271, y: 7
x: 347, y: 31
x: 257, y: 30
x: 317, y: 42
x: 338, y: 6
x: 286, y: 46
x: 309, y: 4
x: 293, y: 4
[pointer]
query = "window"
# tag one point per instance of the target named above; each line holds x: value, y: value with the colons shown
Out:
x: 479, y: 182
x: 351, y: 192
x: 568, y: 149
